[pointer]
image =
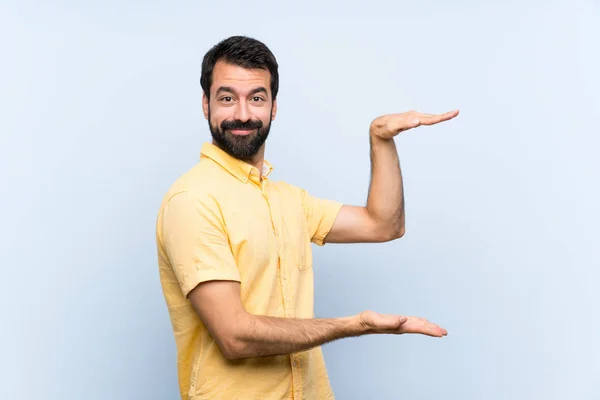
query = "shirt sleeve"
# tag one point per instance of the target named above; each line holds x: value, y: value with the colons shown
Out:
x: 320, y: 214
x: 196, y: 242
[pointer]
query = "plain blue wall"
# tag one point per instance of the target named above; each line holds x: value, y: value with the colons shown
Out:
x: 101, y: 112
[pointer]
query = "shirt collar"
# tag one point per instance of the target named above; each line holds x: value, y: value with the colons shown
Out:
x: 238, y: 168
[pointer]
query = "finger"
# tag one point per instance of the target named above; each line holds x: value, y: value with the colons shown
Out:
x: 424, y: 327
x: 436, y: 331
x: 449, y: 114
x: 431, y: 119
x: 430, y: 330
x: 453, y: 112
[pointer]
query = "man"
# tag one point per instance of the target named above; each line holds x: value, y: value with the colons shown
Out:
x: 234, y: 247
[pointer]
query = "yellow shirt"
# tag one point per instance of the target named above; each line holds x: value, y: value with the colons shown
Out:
x: 220, y: 220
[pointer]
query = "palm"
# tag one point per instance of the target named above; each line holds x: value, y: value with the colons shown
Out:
x: 388, y: 126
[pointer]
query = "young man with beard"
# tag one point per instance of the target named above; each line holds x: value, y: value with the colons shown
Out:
x: 234, y: 247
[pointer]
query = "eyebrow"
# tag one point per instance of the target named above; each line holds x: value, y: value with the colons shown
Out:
x: 260, y: 89
x: 228, y: 89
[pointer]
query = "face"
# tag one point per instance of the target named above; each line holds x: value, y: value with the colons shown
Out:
x: 240, y: 109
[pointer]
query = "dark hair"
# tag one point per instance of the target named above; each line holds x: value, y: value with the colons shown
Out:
x: 244, y: 52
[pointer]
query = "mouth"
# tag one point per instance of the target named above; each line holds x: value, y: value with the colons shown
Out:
x: 241, y: 132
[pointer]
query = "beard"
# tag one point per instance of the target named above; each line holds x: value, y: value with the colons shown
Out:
x: 242, y: 147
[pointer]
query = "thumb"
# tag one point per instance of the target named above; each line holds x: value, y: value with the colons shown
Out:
x: 386, y: 321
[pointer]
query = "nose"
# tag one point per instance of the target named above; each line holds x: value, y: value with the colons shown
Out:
x: 242, y: 112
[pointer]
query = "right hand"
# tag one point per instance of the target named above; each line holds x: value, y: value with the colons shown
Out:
x: 374, y: 322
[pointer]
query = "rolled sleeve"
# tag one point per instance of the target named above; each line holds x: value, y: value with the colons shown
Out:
x: 320, y: 214
x: 196, y: 242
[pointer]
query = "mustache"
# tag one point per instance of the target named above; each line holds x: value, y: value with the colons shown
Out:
x: 238, y: 124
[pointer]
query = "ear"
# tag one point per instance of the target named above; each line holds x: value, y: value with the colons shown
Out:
x: 205, y: 105
x: 274, y: 110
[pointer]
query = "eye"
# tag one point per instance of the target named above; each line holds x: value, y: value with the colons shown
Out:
x: 257, y: 99
x: 226, y: 99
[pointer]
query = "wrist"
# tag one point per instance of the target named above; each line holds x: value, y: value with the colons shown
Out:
x: 377, y: 136
x: 377, y: 128
x: 356, y: 326
x: 373, y: 133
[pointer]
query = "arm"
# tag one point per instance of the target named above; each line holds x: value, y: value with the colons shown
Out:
x: 240, y: 334
x: 382, y: 219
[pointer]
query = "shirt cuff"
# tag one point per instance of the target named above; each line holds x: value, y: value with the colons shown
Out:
x: 331, y: 210
x: 204, y: 276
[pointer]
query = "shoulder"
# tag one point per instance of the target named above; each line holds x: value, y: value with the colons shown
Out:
x: 288, y: 188
x: 198, y: 185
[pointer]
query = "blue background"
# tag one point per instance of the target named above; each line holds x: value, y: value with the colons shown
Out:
x: 101, y: 112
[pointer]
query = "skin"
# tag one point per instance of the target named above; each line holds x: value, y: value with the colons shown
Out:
x: 240, y: 334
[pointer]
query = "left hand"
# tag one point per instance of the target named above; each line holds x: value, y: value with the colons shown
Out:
x: 388, y: 126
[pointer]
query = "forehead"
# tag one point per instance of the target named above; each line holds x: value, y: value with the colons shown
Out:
x: 239, y: 78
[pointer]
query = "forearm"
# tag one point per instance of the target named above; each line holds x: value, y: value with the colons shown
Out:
x: 385, y: 203
x: 262, y: 335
